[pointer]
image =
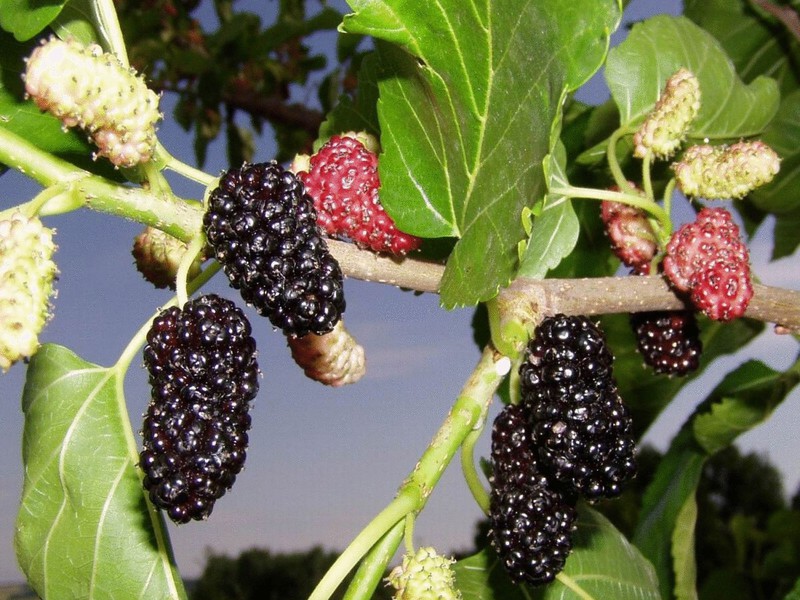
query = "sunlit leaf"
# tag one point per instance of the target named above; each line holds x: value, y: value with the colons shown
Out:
x: 463, y: 87
x: 84, y: 528
x: 26, y: 18
x: 638, y: 68
x: 602, y: 565
x: 756, y: 46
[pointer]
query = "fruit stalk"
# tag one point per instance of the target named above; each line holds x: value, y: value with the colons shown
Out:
x: 180, y: 218
x: 466, y: 415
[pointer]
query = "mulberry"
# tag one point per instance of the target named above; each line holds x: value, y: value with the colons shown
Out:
x: 262, y: 227
x: 27, y: 272
x: 582, y: 431
x: 203, y: 373
x: 424, y: 575
x: 531, y: 529
x: 668, y: 341
x: 85, y: 87
x: 342, y: 177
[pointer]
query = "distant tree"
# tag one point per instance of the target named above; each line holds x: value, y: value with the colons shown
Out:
x: 258, y: 574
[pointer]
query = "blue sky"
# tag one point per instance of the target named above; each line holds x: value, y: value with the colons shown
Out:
x: 321, y: 461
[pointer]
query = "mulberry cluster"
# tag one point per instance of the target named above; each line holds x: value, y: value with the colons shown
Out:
x: 85, y: 87
x: 201, y: 361
x: 570, y: 437
x: 263, y: 229
x: 342, y: 177
x: 708, y: 260
x: 669, y: 341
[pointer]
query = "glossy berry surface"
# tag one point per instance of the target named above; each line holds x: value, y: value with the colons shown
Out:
x: 203, y: 373
x: 669, y: 341
x: 531, y: 529
x: 343, y: 180
x: 582, y: 431
x: 263, y: 229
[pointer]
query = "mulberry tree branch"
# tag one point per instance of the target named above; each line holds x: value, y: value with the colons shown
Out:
x: 589, y: 296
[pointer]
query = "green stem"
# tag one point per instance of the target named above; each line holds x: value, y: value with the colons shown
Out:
x: 666, y: 227
x: 464, y: 416
x: 20, y: 154
x: 471, y: 475
x: 180, y: 218
x: 105, y: 15
x: 613, y: 163
x: 630, y: 198
x: 182, y: 168
x: 373, y: 568
x: 647, y: 182
x: 388, y: 518
x: 408, y: 534
x: 194, y: 248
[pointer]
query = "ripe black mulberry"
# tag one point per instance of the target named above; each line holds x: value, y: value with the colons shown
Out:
x: 263, y: 229
x: 582, y: 431
x: 203, y: 374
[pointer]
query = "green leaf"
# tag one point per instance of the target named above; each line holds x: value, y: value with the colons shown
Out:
x: 26, y: 18
x: 639, y: 67
x: 781, y: 197
x: 554, y: 231
x: 602, y: 565
x: 787, y: 235
x: 745, y: 398
x: 794, y: 594
x: 756, y: 46
x: 78, y: 20
x: 683, y: 551
x: 481, y: 577
x: 468, y: 96
x: 85, y: 528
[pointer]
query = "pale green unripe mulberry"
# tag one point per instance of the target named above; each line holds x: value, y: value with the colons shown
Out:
x: 666, y: 126
x: 334, y: 358
x: 158, y: 256
x: 424, y: 576
x: 720, y: 172
x: 90, y: 89
x: 26, y: 284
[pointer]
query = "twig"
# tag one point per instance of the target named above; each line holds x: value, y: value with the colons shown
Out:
x: 785, y: 14
x: 590, y: 296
